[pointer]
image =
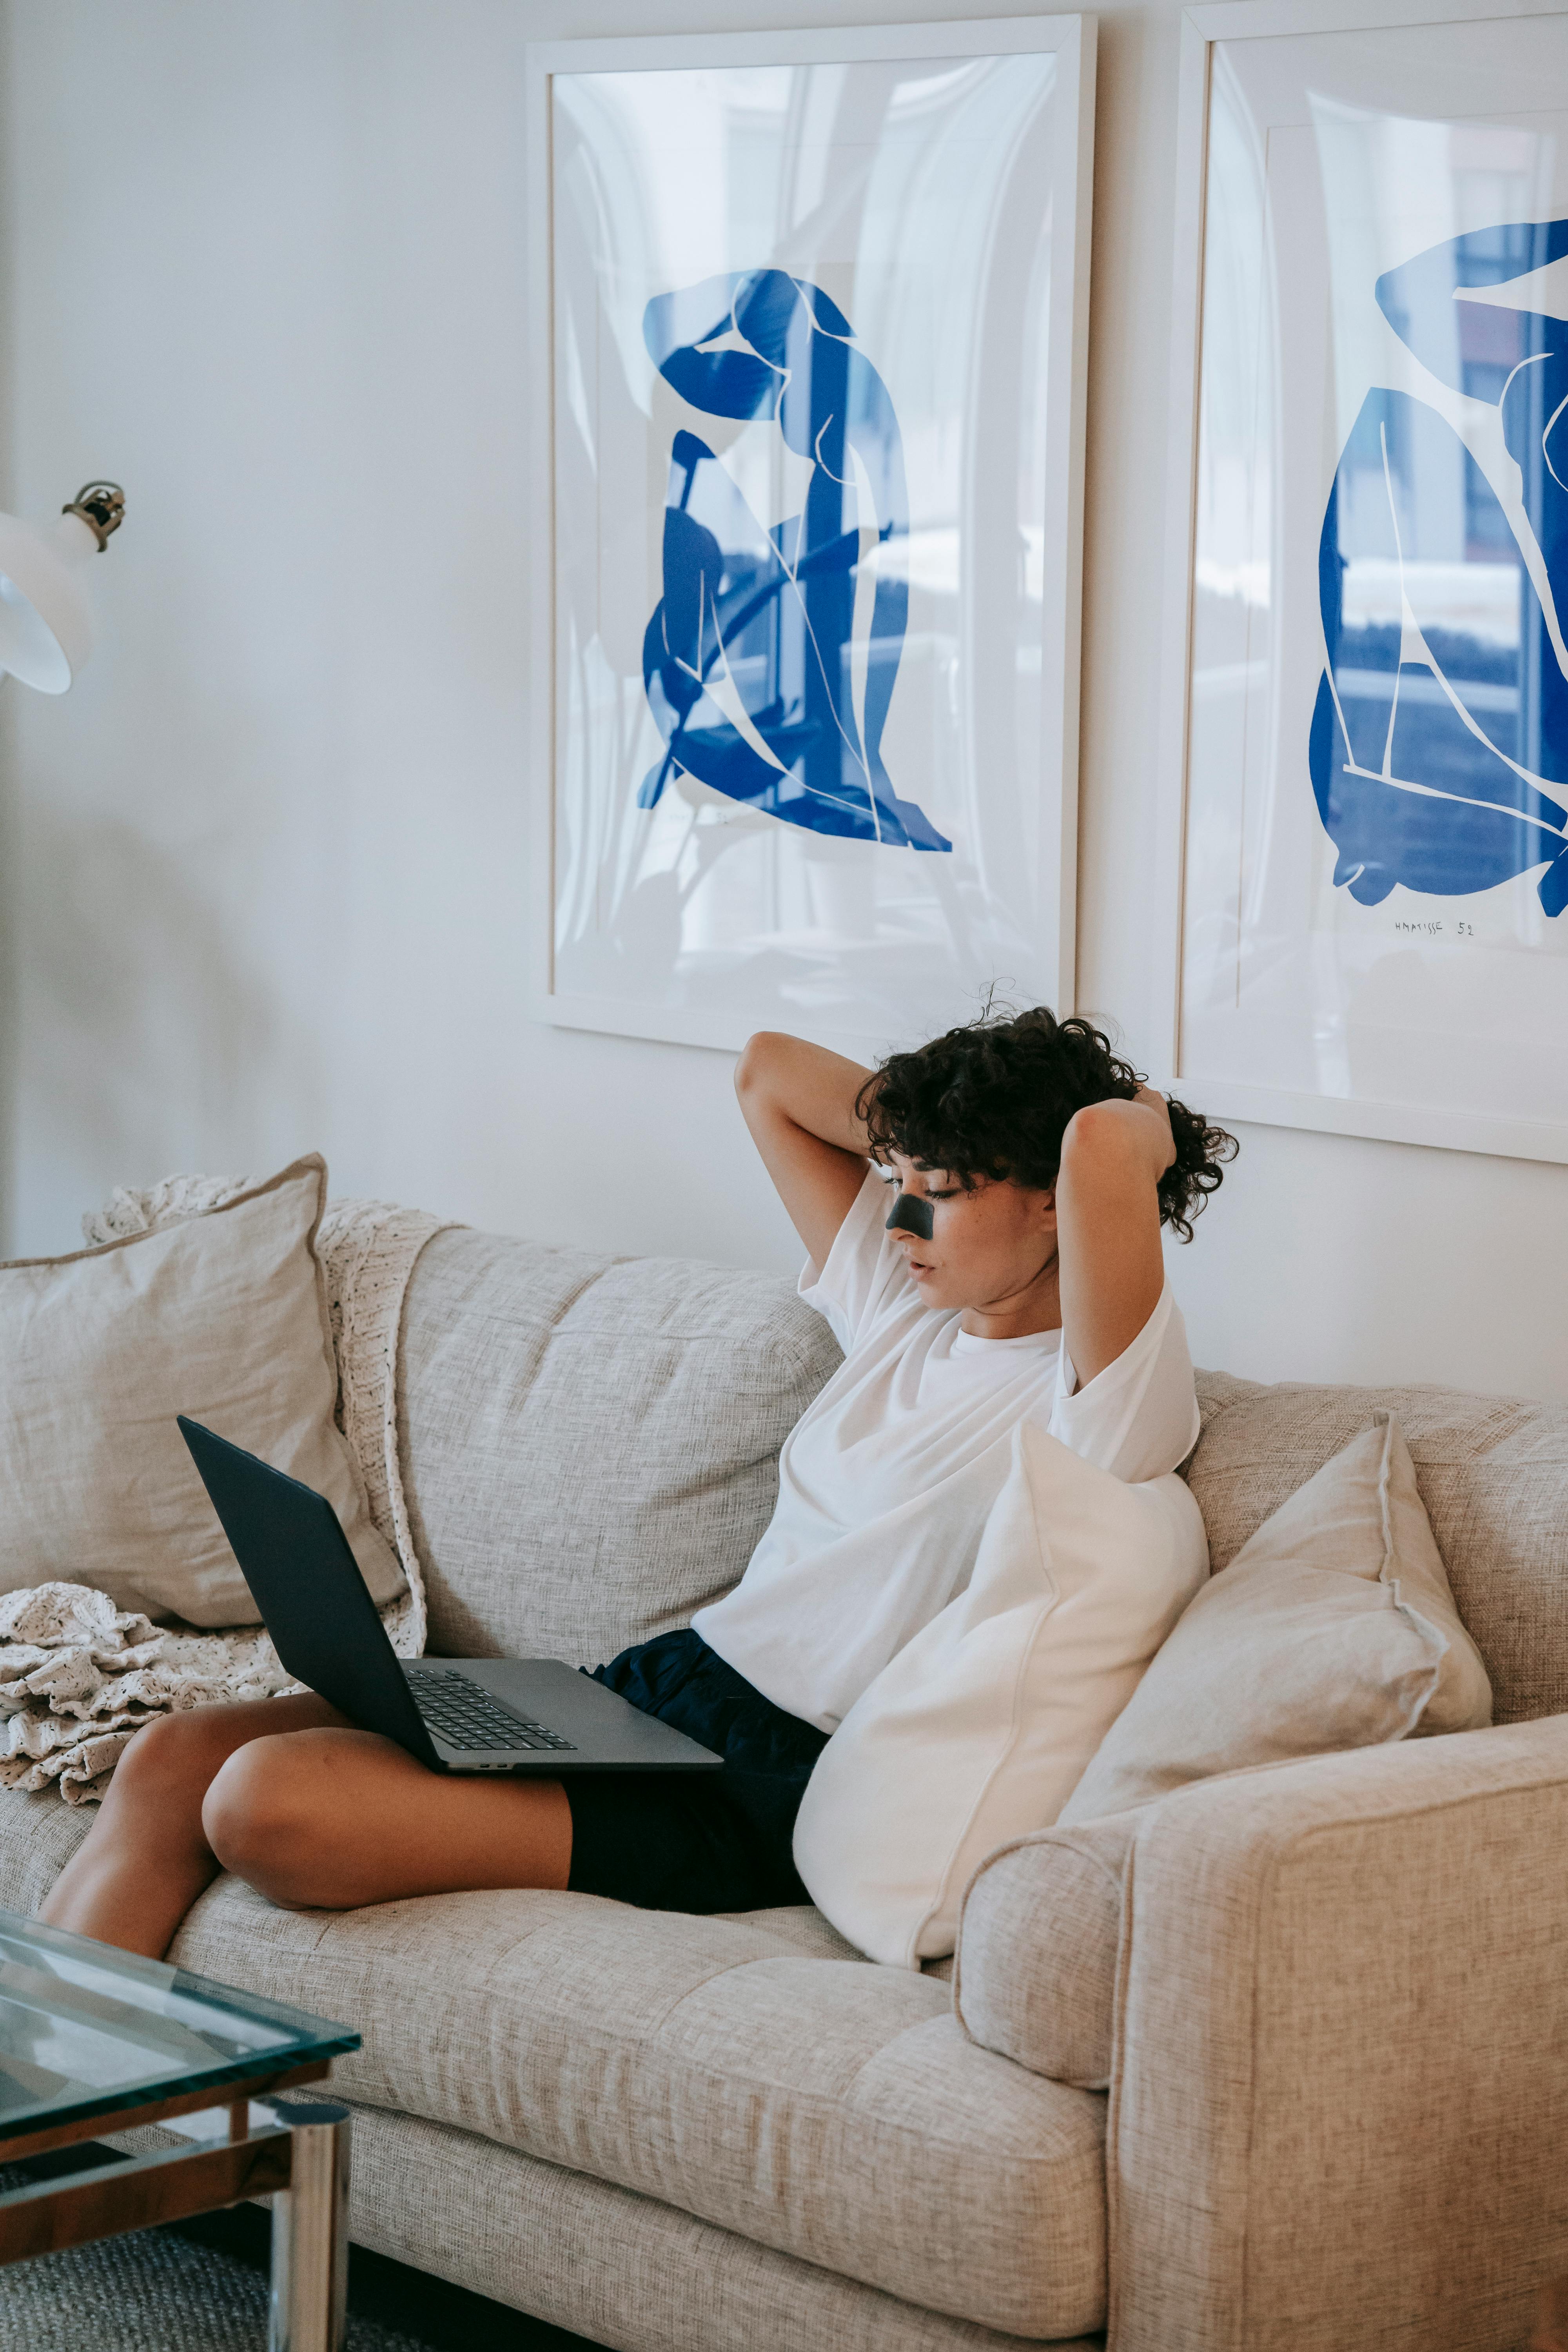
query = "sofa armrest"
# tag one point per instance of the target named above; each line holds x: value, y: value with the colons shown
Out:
x: 1339, y: 2093
x: 1035, y: 1975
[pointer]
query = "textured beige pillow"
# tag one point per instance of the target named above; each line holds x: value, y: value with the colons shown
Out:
x: 1334, y: 1627
x: 223, y: 1317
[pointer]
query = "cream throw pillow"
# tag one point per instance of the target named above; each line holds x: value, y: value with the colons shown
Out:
x: 223, y: 1317
x: 1334, y: 1627
x: 979, y: 1728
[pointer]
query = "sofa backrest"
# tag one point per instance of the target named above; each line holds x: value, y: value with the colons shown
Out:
x: 1493, y: 1473
x: 590, y: 1444
x: 590, y: 1447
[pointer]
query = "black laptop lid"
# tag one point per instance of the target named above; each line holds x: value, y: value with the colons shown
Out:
x: 307, y: 1583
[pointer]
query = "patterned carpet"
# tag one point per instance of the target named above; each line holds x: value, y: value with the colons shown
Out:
x: 202, y: 2287
x: 149, y: 2293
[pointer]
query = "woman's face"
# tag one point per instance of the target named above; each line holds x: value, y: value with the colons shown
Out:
x: 989, y: 1246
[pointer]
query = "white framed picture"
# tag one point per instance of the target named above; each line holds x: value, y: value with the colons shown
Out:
x: 1366, y: 802
x: 810, y: 319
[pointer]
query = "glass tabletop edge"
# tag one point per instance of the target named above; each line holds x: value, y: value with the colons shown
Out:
x: 138, y: 1969
x: 96, y: 2106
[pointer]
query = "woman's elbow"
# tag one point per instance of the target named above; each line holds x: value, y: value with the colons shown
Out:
x: 1098, y: 1131
x: 758, y: 1062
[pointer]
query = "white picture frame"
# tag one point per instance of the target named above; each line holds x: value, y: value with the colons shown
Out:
x: 1495, y: 1081
x: 879, y: 980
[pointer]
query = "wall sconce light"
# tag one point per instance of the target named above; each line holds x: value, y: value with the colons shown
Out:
x: 46, y: 619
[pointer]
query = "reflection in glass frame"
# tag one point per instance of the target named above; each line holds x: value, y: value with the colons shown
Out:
x: 810, y: 334
x: 1365, y: 807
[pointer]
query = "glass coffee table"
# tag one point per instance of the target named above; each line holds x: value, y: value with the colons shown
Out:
x: 94, y: 2040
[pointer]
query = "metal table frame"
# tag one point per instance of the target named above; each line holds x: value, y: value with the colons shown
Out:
x: 299, y: 2159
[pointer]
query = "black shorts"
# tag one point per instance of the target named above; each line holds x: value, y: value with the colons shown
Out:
x: 695, y: 1841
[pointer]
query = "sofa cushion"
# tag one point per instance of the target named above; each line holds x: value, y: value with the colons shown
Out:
x: 1334, y: 1627
x: 590, y: 1446
x: 612, y: 2266
x: 38, y: 1835
x: 831, y: 2109
x: 1493, y: 1472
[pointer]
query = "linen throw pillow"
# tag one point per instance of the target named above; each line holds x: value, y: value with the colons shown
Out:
x: 1334, y: 1627
x: 980, y: 1727
x: 223, y: 1317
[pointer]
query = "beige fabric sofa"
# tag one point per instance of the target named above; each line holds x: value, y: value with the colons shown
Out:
x: 1329, y: 2000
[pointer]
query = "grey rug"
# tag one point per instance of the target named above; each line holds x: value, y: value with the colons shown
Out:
x: 151, y: 2293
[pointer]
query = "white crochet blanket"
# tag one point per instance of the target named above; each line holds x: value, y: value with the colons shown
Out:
x: 79, y: 1678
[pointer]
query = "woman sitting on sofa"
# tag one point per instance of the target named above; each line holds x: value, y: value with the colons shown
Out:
x: 982, y: 1218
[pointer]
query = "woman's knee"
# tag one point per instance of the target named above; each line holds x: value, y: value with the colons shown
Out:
x: 170, y: 1761
x: 246, y: 1814
x: 256, y: 1818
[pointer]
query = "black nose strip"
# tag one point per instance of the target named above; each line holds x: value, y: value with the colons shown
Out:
x: 911, y: 1214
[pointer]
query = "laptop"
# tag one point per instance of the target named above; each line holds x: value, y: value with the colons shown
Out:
x: 525, y: 1715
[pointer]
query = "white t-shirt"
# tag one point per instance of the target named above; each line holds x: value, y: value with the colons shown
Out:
x: 886, y: 1481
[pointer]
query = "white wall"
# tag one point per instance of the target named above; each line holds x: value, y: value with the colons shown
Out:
x: 265, y: 868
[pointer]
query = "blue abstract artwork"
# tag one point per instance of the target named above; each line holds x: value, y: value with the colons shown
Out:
x: 760, y: 620
x: 1448, y: 773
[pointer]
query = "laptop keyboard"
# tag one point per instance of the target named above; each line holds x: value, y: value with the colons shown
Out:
x: 467, y: 1716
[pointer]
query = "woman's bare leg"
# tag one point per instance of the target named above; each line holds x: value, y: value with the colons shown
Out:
x: 332, y: 1817
x: 146, y: 1858
x: 307, y: 1809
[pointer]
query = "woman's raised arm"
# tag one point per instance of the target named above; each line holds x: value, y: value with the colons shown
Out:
x: 1112, y: 1267
x: 799, y: 1102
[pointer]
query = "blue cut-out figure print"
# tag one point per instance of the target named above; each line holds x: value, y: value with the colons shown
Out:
x: 773, y: 611
x: 1444, y: 773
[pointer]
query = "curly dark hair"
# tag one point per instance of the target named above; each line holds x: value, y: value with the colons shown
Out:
x: 993, y: 1098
